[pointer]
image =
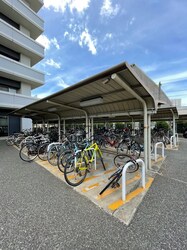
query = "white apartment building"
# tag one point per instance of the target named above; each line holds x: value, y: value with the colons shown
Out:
x: 20, y: 26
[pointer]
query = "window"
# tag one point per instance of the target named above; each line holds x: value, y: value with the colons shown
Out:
x: 9, y: 85
x: 9, y: 53
x: 3, y: 88
x: 9, y: 21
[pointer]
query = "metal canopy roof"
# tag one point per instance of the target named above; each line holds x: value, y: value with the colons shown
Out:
x: 116, y: 101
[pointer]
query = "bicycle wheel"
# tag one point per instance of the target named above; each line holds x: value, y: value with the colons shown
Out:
x: 10, y: 140
x: 52, y: 155
x: 123, y: 148
x: 66, y: 159
x: 28, y: 152
x: 42, y: 151
x: 122, y: 159
x: 78, y: 173
x: 135, y: 150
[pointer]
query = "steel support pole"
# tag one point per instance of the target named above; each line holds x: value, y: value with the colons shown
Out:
x: 92, y: 127
x: 59, y: 129
x: 174, y: 129
x: 64, y: 126
x: 123, y: 84
x: 47, y: 126
x: 149, y: 141
x: 74, y: 108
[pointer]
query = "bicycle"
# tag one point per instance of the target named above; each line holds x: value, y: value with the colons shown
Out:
x: 29, y: 151
x: 120, y: 161
x: 130, y: 147
x: 79, y: 163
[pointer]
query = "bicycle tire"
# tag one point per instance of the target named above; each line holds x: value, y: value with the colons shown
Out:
x: 66, y: 159
x: 42, y: 151
x: 135, y: 150
x: 122, y: 159
x: 10, y: 141
x: 28, y: 152
x: 52, y: 155
x: 78, y: 173
x: 122, y: 148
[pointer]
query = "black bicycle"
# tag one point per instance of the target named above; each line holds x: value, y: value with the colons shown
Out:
x: 120, y: 160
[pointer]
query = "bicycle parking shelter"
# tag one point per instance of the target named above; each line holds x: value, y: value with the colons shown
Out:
x: 119, y: 93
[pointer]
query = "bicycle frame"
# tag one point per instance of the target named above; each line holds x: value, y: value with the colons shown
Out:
x: 87, y: 156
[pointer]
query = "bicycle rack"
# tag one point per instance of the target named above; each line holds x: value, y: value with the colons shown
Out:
x: 156, y: 147
x: 139, y: 161
x: 173, y: 140
x: 95, y: 160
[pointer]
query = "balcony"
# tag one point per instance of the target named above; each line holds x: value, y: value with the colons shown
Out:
x: 35, y: 5
x: 23, y: 15
x: 14, y: 101
x: 13, y: 38
x: 19, y: 72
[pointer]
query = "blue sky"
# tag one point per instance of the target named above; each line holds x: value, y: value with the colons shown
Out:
x: 85, y: 37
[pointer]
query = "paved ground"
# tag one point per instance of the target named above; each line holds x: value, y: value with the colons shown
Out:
x: 38, y: 211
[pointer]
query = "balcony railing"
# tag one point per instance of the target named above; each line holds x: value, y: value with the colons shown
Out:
x: 20, y: 42
x: 22, y: 14
x: 10, y: 100
x: 19, y: 72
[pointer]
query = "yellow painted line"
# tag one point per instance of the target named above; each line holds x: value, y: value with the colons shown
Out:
x: 112, y: 190
x: 90, y: 187
x: 148, y: 184
x: 90, y: 178
x: 86, y: 179
x: 115, y: 205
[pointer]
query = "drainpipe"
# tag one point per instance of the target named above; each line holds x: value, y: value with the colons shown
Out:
x: 70, y: 107
x: 118, y: 80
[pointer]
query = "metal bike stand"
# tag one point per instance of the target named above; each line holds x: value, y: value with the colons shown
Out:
x: 139, y: 161
x: 156, y: 147
x: 177, y: 138
x: 75, y: 162
x: 173, y: 141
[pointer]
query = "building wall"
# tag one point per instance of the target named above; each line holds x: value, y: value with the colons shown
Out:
x: 20, y: 26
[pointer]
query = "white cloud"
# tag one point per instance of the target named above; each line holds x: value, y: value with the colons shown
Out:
x: 150, y: 68
x: 79, y: 5
x: 54, y: 41
x: 62, y: 84
x: 46, y: 42
x: 44, y: 94
x: 86, y: 39
x: 132, y: 20
x: 60, y: 6
x: 52, y: 63
x: 108, y: 10
x: 172, y: 78
x: 43, y: 40
x: 71, y: 37
x: 108, y: 36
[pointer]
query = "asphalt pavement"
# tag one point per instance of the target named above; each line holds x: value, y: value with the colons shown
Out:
x: 39, y: 211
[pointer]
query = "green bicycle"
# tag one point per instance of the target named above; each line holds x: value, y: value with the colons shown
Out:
x: 79, y: 164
